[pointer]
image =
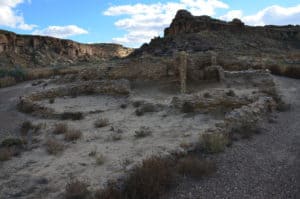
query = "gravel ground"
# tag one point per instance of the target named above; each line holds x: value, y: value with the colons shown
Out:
x: 10, y: 118
x: 266, y: 166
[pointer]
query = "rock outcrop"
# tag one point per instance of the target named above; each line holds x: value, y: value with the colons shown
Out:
x: 236, y: 45
x: 39, y: 51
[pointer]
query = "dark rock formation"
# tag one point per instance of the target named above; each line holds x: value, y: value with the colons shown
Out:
x: 38, y: 51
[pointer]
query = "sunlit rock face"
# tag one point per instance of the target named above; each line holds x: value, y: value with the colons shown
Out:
x: 39, y: 51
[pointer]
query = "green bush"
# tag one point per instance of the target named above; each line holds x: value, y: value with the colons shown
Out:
x: 18, y: 73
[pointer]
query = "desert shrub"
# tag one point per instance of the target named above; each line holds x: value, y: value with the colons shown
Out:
x: 116, y: 137
x: 60, y: 128
x: 93, y: 152
x: 123, y: 106
x: 7, y: 81
x: 17, y: 73
x: 51, y: 100
x: 74, y: 92
x: 110, y: 192
x: 138, y: 112
x: 102, y: 122
x: 231, y: 93
x: 150, y: 180
x: 289, y: 71
x: 283, y: 107
x: 145, y: 108
x: 12, y: 142
x: 214, y: 142
x: 142, y: 132
x: 54, y: 146
x: 72, y: 135
x: 187, y: 107
x: 76, y: 189
x: 25, y: 107
x: 207, y: 95
x: 137, y: 104
x: 26, y: 127
x: 5, y: 154
x: 72, y: 116
x: 194, y: 167
x: 100, y: 159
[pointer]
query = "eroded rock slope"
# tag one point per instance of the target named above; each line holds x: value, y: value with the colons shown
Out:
x: 39, y: 51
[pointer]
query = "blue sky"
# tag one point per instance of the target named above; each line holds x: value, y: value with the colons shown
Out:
x: 131, y: 22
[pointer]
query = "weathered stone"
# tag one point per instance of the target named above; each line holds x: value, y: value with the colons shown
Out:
x: 40, y: 51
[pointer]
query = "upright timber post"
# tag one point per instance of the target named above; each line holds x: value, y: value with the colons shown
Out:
x: 182, y: 70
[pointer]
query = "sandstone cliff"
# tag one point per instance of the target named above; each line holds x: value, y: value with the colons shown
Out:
x: 39, y: 51
x: 235, y: 45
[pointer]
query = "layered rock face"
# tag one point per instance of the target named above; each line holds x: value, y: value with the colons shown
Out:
x: 237, y: 46
x: 38, y: 51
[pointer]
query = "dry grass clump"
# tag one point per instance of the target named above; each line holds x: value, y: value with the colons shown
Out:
x: 150, y: 180
x: 110, y: 192
x: 28, y: 126
x: 26, y: 107
x: 5, y: 154
x: 102, y: 122
x: 123, y: 106
x: 72, y: 135
x: 187, y: 107
x: 25, y: 127
x: 60, y: 129
x: 137, y: 104
x: 283, y: 107
x: 12, y: 142
x: 72, y: 116
x: 7, y: 81
x: 54, y: 146
x: 100, y: 159
x: 214, y: 142
x: 231, y: 93
x: 192, y: 166
x: 145, y: 108
x: 115, y: 137
x: 76, y: 189
x: 206, y: 95
x: 51, y: 100
x: 142, y: 132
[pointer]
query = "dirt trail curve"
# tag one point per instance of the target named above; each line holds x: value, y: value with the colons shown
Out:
x: 10, y: 118
x: 264, y: 167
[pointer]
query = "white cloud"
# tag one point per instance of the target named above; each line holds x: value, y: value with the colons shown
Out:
x: 232, y: 14
x: 275, y: 15
x: 145, y: 21
x: 10, y: 17
x: 61, y: 31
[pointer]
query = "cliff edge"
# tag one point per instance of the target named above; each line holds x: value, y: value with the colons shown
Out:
x: 40, y: 51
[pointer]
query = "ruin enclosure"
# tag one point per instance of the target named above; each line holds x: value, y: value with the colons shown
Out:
x: 206, y: 84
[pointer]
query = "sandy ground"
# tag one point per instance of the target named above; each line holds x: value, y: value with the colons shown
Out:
x: 254, y: 168
x: 266, y: 166
x: 36, y: 174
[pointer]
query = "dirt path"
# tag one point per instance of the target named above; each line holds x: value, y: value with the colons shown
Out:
x: 266, y: 166
x: 10, y: 118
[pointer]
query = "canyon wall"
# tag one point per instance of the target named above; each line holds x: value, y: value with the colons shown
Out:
x: 40, y: 51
